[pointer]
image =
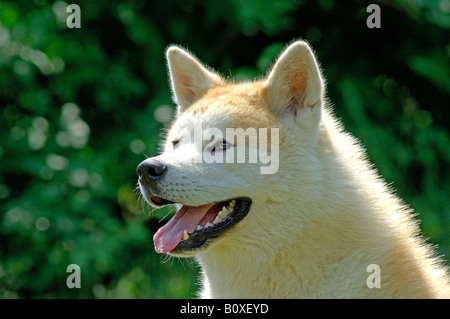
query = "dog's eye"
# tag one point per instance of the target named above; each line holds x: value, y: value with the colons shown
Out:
x: 223, y: 145
x: 175, y: 143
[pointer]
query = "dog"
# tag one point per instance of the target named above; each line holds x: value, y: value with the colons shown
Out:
x: 320, y: 223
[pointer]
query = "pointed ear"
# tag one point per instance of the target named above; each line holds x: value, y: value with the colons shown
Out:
x: 189, y: 78
x: 294, y: 84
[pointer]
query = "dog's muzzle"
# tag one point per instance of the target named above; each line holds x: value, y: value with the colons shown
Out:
x: 150, y: 170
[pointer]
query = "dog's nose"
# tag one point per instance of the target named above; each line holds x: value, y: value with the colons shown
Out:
x: 150, y: 169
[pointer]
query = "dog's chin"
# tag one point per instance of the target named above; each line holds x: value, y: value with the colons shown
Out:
x: 204, y: 225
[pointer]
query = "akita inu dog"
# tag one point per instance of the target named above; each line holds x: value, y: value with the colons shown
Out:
x: 323, y: 224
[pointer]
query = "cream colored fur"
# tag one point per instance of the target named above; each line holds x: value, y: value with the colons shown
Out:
x: 321, y: 220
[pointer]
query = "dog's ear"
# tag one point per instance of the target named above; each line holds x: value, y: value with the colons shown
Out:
x: 294, y: 86
x: 189, y: 78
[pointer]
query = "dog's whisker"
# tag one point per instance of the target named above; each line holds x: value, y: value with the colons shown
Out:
x: 165, y: 258
x: 169, y: 213
x: 215, y: 186
x: 182, y: 263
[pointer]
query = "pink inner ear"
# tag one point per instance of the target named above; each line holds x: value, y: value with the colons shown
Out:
x: 185, y: 87
x: 295, y: 104
x: 297, y: 91
x: 184, y: 80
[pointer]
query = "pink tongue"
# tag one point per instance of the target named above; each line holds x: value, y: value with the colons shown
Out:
x: 170, y: 235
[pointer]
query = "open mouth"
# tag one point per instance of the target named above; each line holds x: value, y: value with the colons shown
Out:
x: 193, y: 226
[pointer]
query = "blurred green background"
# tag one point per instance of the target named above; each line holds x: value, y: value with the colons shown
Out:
x: 79, y: 108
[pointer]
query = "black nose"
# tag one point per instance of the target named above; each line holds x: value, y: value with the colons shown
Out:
x: 150, y: 169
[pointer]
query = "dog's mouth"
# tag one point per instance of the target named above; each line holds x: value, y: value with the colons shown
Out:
x: 193, y: 226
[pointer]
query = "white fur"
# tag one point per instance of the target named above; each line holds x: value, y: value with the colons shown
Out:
x: 316, y: 224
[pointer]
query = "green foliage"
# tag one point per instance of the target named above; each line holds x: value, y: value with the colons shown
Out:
x: 79, y: 108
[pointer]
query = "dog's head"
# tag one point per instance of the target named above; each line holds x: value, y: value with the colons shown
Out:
x: 231, y: 148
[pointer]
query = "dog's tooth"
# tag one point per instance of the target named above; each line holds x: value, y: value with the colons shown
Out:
x: 232, y: 203
x: 185, y: 235
x: 199, y: 227
x: 217, y: 220
x: 230, y: 210
x: 208, y: 224
x: 223, y: 213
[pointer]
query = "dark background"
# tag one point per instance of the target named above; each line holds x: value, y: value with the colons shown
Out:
x: 79, y: 108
